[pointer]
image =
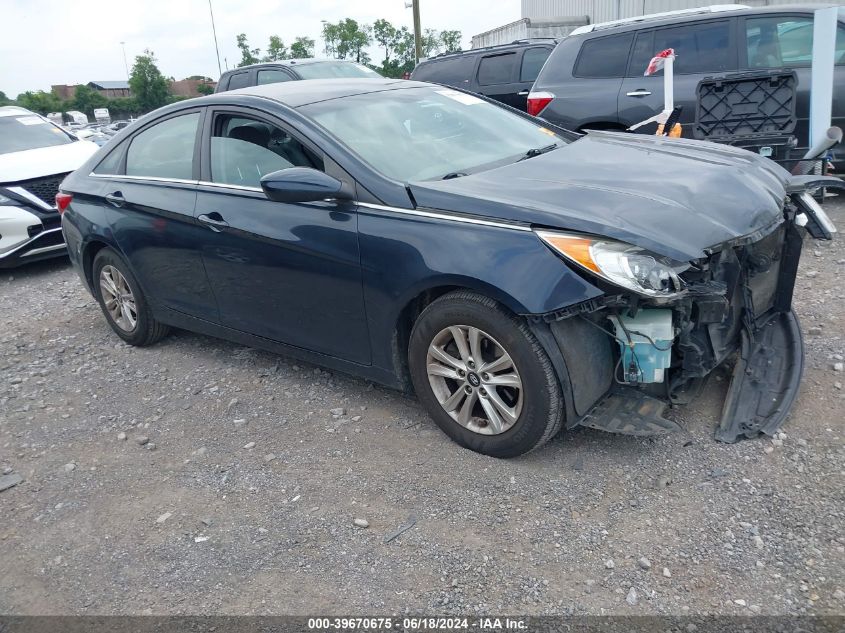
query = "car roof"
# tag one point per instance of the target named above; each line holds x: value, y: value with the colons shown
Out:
x: 13, y: 111
x: 305, y: 61
x: 644, y: 22
x: 299, y: 93
x: 551, y: 42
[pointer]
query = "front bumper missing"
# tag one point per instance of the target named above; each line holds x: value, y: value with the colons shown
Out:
x: 743, y: 311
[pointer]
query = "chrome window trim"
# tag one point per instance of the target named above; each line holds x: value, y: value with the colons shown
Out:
x: 446, y: 216
x: 178, y: 181
x: 368, y: 205
x: 223, y: 185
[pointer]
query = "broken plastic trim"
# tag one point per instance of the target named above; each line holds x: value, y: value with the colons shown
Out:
x: 765, y: 379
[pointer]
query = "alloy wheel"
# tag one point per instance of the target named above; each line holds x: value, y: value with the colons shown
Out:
x: 118, y: 298
x: 474, y: 379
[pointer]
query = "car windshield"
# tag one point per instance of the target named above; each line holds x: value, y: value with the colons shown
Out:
x: 334, y: 70
x: 430, y: 133
x: 29, y: 131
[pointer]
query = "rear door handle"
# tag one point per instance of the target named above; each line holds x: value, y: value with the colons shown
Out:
x: 638, y: 93
x: 116, y: 198
x: 214, y: 221
x: 524, y: 93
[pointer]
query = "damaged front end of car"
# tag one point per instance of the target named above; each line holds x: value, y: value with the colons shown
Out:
x: 663, y: 326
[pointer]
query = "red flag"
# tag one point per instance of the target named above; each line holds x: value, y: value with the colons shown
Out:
x: 658, y: 61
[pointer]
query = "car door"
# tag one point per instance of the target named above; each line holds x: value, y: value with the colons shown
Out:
x: 289, y: 272
x: 702, y: 49
x: 497, y: 77
x: 785, y: 40
x: 151, y: 194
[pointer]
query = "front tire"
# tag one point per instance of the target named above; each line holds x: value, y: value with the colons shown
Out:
x: 483, y: 377
x: 122, y: 301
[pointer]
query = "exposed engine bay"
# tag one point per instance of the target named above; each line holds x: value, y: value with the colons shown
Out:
x: 735, y: 308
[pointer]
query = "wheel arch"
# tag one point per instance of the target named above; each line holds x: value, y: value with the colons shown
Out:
x: 419, y: 299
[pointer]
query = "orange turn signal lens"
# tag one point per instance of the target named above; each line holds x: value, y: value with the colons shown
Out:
x: 575, y: 248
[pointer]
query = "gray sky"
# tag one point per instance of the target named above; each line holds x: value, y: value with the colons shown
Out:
x: 75, y: 41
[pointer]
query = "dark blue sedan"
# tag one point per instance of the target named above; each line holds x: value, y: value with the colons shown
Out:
x: 516, y: 276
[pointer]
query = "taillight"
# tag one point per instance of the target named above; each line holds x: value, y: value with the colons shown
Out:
x: 62, y: 201
x: 537, y: 101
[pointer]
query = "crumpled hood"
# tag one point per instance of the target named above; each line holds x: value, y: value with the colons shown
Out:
x: 44, y: 161
x: 675, y: 197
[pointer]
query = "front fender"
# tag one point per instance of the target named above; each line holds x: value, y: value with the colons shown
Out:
x: 403, y: 256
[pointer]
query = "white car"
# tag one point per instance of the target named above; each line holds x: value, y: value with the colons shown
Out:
x: 35, y: 156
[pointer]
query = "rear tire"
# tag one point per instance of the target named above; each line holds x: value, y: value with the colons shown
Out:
x: 123, y: 303
x: 482, y: 375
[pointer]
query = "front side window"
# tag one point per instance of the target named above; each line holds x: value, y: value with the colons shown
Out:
x: 165, y: 150
x: 427, y: 133
x: 29, y: 131
x: 698, y: 48
x: 496, y: 69
x: 532, y: 61
x: 272, y: 76
x: 604, y: 57
x: 244, y: 149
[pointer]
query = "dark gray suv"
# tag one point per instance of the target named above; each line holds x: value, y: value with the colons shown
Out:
x: 594, y: 80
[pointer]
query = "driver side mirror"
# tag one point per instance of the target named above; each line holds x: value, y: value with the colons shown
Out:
x: 302, y: 184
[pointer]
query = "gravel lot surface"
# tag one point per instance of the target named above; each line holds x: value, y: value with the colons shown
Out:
x: 197, y: 476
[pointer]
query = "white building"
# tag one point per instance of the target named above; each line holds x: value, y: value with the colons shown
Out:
x: 557, y: 18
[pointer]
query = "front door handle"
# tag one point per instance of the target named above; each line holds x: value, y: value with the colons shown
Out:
x: 523, y: 93
x: 115, y: 198
x: 214, y: 221
x: 638, y: 93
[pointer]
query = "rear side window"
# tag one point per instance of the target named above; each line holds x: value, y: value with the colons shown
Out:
x: 774, y: 42
x: 532, y: 61
x: 238, y: 80
x: 496, y: 69
x: 110, y: 164
x: 604, y: 56
x: 272, y: 76
x: 452, y: 72
x: 698, y: 48
x: 165, y: 150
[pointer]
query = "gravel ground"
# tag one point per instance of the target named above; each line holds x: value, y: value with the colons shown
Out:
x: 198, y: 476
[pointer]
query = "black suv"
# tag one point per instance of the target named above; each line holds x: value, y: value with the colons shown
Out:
x: 594, y: 79
x: 504, y: 73
x: 290, y: 70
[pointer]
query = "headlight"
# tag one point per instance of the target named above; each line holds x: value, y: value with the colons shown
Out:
x: 619, y: 263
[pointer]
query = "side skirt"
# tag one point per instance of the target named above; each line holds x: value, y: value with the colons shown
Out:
x: 367, y: 372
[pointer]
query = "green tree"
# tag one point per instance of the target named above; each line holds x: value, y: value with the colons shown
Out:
x: 124, y: 107
x: 85, y: 99
x: 430, y: 43
x: 347, y: 40
x: 385, y: 34
x: 276, y: 50
x: 302, y: 48
x: 205, y: 88
x: 248, y: 55
x: 450, y: 41
x: 4, y: 100
x: 148, y: 85
x: 39, y: 101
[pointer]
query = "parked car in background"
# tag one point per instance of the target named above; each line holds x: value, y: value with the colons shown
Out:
x: 504, y: 73
x: 594, y: 79
x: 291, y: 70
x: 519, y: 277
x: 35, y: 156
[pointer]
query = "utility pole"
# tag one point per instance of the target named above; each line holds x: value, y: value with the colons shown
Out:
x: 415, y: 5
x: 125, y: 63
x: 214, y: 32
